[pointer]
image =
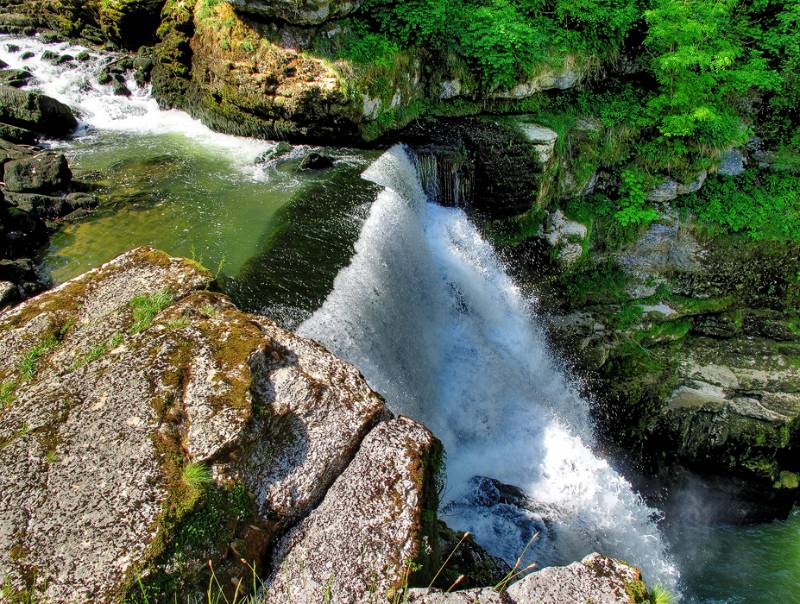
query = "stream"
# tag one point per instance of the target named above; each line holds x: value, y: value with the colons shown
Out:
x: 408, y: 291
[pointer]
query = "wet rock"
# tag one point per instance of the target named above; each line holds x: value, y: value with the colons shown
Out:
x: 300, y: 12
x: 27, y: 55
x: 15, y: 134
x: 12, y: 48
x: 595, y: 579
x: 50, y: 56
x: 36, y: 112
x: 120, y: 88
x: 84, y: 201
x: 43, y: 172
x: 468, y: 561
x: 17, y: 78
x: 316, y: 161
x: 281, y: 149
x: 371, y: 522
x: 83, y: 56
x: 21, y: 269
x: 38, y: 205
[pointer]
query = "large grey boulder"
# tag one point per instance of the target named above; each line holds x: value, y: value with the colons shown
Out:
x: 370, y: 526
x: 594, y: 579
x: 36, y: 112
x: 300, y: 12
x: 116, y: 382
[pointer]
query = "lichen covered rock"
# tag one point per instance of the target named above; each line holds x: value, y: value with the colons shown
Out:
x: 371, y: 525
x: 147, y: 426
x: 595, y: 579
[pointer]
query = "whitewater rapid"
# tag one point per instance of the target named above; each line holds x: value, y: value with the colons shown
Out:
x: 429, y: 315
x: 99, y: 109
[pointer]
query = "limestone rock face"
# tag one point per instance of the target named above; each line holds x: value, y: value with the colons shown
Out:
x: 300, y: 12
x: 697, y: 350
x: 369, y: 525
x: 595, y: 579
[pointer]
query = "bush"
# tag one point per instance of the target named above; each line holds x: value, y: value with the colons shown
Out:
x: 760, y: 204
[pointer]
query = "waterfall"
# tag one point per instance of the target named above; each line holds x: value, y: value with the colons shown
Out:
x: 76, y: 84
x: 447, y: 175
x: 427, y: 312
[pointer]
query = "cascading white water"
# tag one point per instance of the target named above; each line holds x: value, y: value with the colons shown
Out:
x: 428, y: 314
x: 98, y: 108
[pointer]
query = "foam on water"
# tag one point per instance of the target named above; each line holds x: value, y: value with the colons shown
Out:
x: 97, y: 108
x: 429, y: 315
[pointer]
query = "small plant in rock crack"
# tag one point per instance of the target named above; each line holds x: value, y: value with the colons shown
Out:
x: 197, y: 476
x: 30, y: 360
x: 145, y: 308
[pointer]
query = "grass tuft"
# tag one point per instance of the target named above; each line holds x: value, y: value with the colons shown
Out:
x: 146, y: 307
x: 197, y: 476
x: 659, y: 595
x: 7, y: 396
x: 29, y: 364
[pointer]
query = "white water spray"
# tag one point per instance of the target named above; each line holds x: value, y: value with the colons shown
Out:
x: 428, y: 314
x: 98, y: 108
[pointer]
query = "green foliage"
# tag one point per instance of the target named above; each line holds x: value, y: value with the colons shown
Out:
x: 197, y: 476
x: 659, y: 595
x: 702, y: 64
x: 7, y: 396
x: 761, y: 204
x: 505, y: 41
x: 29, y: 363
x: 633, y: 209
x: 145, y: 308
x: 205, y: 8
x: 365, y: 47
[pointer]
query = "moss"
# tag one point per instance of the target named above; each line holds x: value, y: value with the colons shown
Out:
x: 429, y: 476
x: 788, y: 480
x: 666, y: 331
x: 217, y: 515
x: 602, y: 283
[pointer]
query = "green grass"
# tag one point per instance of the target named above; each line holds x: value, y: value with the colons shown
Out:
x: 659, y: 595
x: 7, y: 393
x: 145, y: 308
x: 197, y: 476
x: 177, y: 323
x: 29, y: 364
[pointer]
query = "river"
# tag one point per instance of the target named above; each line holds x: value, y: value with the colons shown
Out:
x: 411, y: 294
